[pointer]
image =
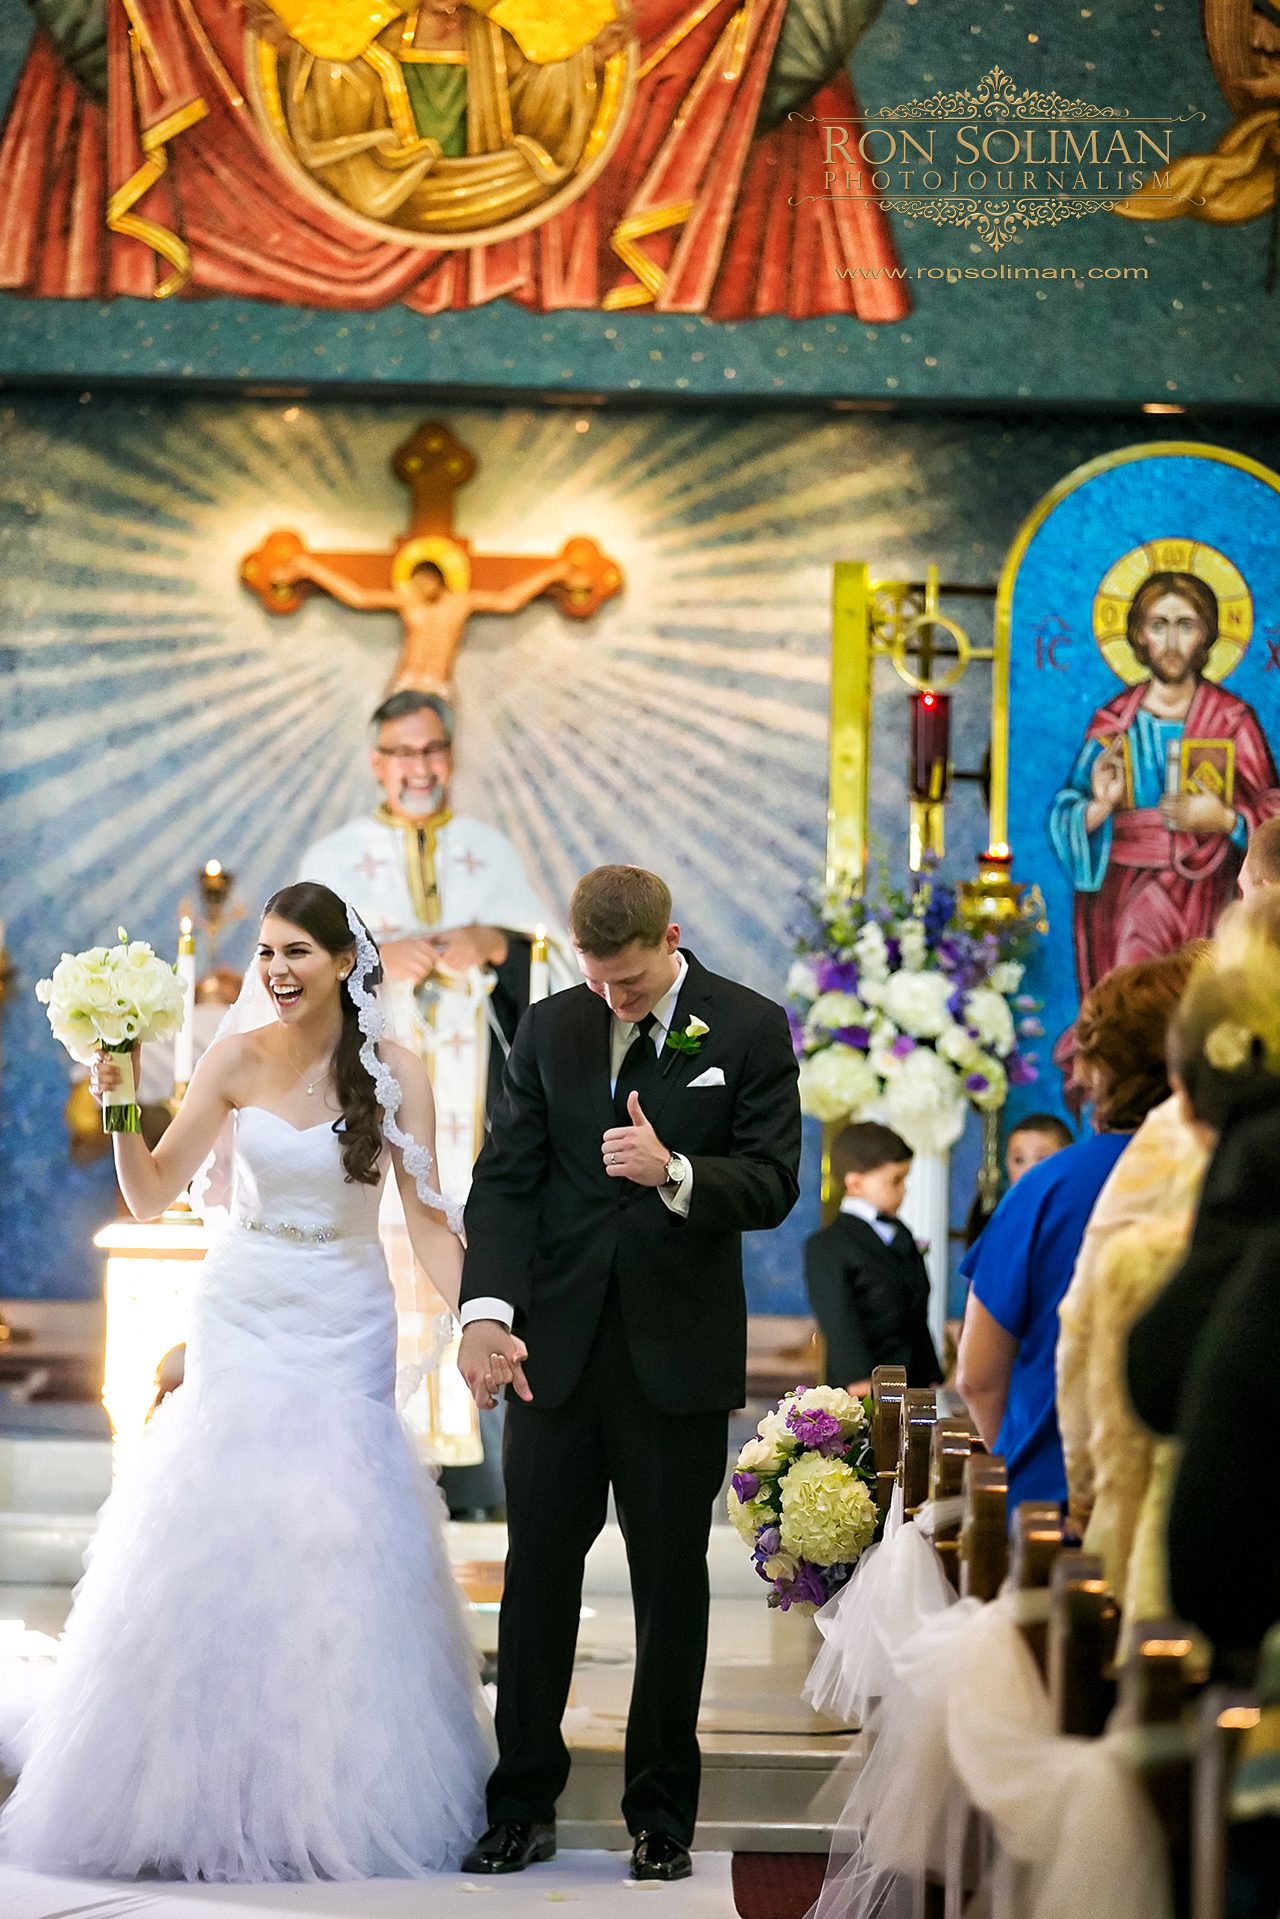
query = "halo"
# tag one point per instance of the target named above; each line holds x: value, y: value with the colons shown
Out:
x: 447, y: 556
x: 1123, y: 579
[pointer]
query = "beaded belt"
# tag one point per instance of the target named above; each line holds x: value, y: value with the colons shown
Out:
x: 282, y: 1229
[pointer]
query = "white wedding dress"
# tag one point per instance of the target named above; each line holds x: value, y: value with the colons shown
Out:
x: 267, y: 1673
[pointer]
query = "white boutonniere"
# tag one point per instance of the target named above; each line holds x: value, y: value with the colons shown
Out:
x: 690, y: 1041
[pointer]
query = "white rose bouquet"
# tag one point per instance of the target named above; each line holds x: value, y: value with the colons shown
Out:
x: 108, y: 1000
x: 799, y: 1495
x: 900, y: 1013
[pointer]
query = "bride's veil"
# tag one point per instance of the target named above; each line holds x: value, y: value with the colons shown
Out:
x: 211, y: 1186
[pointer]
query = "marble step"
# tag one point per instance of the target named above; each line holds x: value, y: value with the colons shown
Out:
x: 50, y: 1491
x: 756, y: 1797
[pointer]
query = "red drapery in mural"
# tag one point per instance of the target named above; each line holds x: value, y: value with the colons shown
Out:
x: 88, y: 192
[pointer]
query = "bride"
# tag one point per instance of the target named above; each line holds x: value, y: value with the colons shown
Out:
x: 267, y: 1673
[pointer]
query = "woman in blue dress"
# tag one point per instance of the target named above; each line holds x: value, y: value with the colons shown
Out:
x: 1022, y: 1265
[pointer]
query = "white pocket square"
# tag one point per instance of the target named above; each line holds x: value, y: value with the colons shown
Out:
x: 712, y: 1077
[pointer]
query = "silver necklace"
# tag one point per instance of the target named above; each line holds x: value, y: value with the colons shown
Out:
x: 309, y: 1084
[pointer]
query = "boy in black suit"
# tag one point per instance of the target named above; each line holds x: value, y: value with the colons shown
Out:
x: 867, y: 1283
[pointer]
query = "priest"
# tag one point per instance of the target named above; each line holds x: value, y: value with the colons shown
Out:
x: 448, y: 901
x: 463, y: 938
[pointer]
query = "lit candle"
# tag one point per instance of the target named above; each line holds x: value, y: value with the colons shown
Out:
x: 539, y: 969
x: 185, y: 1040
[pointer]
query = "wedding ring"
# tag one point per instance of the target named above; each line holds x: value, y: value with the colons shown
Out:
x: 612, y: 1157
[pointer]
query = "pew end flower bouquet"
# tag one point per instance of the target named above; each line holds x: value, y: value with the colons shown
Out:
x: 800, y: 1497
x: 109, y: 1000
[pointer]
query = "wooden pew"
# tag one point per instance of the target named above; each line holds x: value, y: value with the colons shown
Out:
x: 951, y: 1443
x: 1084, y: 1624
x: 919, y: 1416
x: 1156, y: 1685
x: 1035, y: 1543
x: 888, y: 1388
x: 984, y: 1537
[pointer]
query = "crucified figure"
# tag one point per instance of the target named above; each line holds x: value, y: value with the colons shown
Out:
x: 434, y: 615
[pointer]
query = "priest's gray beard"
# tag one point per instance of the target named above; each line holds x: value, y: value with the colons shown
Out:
x: 422, y: 801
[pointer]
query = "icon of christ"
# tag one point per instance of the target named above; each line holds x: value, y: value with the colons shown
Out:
x: 1174, y: 773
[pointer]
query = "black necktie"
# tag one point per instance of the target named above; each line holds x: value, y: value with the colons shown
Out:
x: 638, y: 1055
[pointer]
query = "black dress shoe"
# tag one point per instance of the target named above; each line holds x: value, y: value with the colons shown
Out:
x: 656, y: 1855
x: 510, y: 1845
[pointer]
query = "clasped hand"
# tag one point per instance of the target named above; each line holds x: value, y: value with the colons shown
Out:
x: 635, y: 1152
x: 489, y: 1358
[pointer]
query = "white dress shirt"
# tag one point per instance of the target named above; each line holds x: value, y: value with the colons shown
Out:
x: 674, y: 1197
x: 863, y: 1209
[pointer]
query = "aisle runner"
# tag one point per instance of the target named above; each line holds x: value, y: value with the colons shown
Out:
x: 595, y: 1882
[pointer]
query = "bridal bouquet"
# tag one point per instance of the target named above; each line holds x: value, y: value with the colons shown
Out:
x: 799, y: 1495
x: 900, y: 1013
x: 108, y: 1000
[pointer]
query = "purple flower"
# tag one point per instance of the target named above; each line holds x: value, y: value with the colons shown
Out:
x: 745, y: 1485
x: 818, y: 1430
x: 806, y: 1588
x: 903, y: 1045
x: 1027, y: 1003
x: 976, y: 1083
x: 893, y: 949
x: 858, y: 1036
x: 1030, y: 1028
x: 837, y: 976
x: 797, y: 1033
x: 955, y: 1005
x: 1023, y: 1069
x: 937, y: 913
x: 768, y: 1541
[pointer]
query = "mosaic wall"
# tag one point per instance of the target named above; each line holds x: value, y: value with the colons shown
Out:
x: 156, y: 715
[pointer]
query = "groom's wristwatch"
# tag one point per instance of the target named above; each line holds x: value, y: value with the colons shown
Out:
x: 675, y: 1170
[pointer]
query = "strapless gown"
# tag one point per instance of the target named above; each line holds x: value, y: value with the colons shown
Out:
x: 267, y: 1672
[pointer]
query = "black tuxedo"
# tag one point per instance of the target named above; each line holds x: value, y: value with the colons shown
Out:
x: 871, y: 1301
x: 635, y: 1322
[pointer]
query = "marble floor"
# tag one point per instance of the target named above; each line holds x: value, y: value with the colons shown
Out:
x: 596, y: 1880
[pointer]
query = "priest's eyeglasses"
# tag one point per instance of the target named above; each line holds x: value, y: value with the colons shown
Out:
x: 436, y: 750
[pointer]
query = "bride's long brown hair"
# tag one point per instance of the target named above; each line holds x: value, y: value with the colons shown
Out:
x: 319, y: 912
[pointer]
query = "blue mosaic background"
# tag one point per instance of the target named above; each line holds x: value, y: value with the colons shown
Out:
x: 156, y: 716
x: 1194, y: 331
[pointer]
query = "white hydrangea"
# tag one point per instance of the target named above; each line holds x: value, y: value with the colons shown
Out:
x: 988, y: 1012
x: 912, y: 945
x: 959, y: 1046
x: 924, y: 1101
x: 872, y: 991
x: 1006, y: 976
x: 833, y: 1010
x: 802, y: 980
x: 870, y: 952
x: 747, y: 1519
x: 836, y: 1082
x: 917, y: 1002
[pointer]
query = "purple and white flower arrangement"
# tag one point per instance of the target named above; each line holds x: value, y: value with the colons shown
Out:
x: 899, y: 1012
x: 799, y: 1495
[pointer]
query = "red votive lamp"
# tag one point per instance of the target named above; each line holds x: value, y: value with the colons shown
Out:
x: 929, y: 765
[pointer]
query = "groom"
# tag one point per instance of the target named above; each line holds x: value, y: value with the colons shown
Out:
x: 647, y: 1119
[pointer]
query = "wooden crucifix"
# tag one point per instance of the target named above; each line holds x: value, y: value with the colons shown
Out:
x: 431, y: 578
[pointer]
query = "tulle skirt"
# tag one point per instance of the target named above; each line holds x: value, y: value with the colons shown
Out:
x: 267, y: 1673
